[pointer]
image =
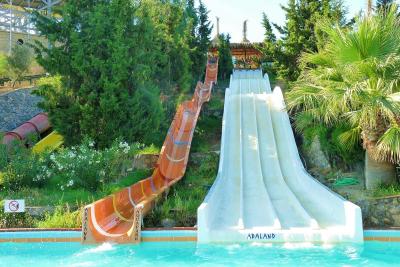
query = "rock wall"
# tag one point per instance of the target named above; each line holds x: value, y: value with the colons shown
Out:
x: 315, y: 157
x: 17, y: 107
x: 381, y: 212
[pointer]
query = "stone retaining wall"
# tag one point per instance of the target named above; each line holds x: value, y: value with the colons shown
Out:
x: 381, y: 212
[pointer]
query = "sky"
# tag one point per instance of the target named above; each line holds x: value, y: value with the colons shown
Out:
x: 232, y: 13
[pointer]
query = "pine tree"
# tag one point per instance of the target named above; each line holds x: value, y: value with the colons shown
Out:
x: 105, y: 73
x: 204, y: 31
x: 193, y: 23
x: 268, y: 34
x: 268, y: 47
x: 300, y: 32
x: 176, y: 45
x: 225, y: 65
x: 199, y: 37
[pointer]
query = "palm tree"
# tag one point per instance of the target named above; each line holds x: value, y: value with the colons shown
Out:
x: 355, y: 79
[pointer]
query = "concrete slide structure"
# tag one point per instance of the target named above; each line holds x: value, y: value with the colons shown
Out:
x: 262, y: 192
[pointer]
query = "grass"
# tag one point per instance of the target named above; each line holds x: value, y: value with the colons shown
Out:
x: 207, y: 134
x: 386, y: 190
x: 67, y: 203
x: 185, y: 197
x: 152, y: 149
x: 72, y: 197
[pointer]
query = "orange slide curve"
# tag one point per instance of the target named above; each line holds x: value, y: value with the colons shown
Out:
x: 117, y: 218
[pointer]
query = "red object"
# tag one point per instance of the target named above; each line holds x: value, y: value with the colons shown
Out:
x: 117, y: 218
x: 37, y: 125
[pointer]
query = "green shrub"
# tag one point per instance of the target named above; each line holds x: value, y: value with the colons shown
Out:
x: 3, y: 155
x: 3, y: 65
x: 82, y: 166
x: 384, y: 190
x: 19, y: 62
x: 152, y: 149
x: 85, y: 167
x: 62, y: 217
x: 330, y: 140
x: 185, y: 197
x: 20, y: 167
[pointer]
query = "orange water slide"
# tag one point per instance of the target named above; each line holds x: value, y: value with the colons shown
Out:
x: 117, y: 218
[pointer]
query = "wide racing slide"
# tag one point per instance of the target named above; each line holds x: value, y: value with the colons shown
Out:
x: 262, y: 192
x: 117, y: 218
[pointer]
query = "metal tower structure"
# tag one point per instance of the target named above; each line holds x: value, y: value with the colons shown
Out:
x: 15, y: 16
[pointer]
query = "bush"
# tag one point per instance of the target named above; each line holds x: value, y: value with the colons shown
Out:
x: 85, y: 167
x: 3, y: 65
x: 384, y: 190
x: 77, y: 167
x: 109, y: 78
x: 19, y: 165
x: 19, y: 62
x: 62, y: 217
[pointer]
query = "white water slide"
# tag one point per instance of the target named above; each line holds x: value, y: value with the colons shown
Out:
x: 262, y: 192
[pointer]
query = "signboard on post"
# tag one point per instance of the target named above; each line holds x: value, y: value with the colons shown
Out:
x: 14, y: 206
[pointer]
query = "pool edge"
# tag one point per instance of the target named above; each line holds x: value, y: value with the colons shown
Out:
x: 178, y: 234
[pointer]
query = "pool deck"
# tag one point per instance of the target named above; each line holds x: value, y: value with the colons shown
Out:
x: 179, y: 234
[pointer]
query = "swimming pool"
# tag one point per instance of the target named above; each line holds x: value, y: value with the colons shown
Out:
x: 189, y: 253
x: 371, y: 253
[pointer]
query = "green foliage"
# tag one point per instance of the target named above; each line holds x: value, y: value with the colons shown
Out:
x: 384, y: 190
x: 152, y: 149
x: 106, y: 82
x: 269, y: 47
x: 225, y: 65
x: 62, y: 217
x: 19, y: 62
x: 76, y: 167
x: 110, y: 79
x: 338, y: 154
x: 86, y: 167
x: 74, y: 197
x: 384, y: 5
x: 208, y: 130
x: 354, y: 80
x: 130, y: 179
x: 19, y: 166
x: 3, y: 65
x: 200, y: 37
x: 299, y: 34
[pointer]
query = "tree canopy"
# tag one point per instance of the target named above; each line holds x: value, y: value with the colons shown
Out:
x: 111, y: 71
x: 299, y: 34
x: 354, y: 79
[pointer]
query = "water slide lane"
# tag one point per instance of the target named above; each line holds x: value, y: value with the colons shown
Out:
x: 228, y: 211
x: 341, y: 213
x: 258, y: 209
x: 117, y: 218
x: 290, y: 212
x: 262, y: 190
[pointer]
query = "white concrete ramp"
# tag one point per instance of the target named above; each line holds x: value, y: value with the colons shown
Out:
x: 262, y: 191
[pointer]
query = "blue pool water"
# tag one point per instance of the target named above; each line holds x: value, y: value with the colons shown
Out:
x: 192, y: 254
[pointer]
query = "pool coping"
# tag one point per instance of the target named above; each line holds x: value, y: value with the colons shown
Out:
x: 176, y: 234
